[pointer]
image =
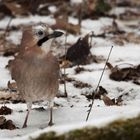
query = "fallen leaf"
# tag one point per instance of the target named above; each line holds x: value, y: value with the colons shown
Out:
x: 79, y: 51
x: 64, y: 25
x: 124, y: 74
x: 5, y: 110
x: 2, y: 120
x: 79, y: 84
x: 39, y: 109
x: 79, y: 70
x: 130, y: 15
x: 107, y: 101
x: 8, y: 125
x: 12, y: 86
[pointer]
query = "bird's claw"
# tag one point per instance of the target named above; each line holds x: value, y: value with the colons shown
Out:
x: 50, y: 123
x: 24, y: 125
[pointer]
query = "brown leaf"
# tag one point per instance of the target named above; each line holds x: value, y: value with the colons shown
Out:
x: 64, y: 25
x: 15, y: 8
x: 109, y: 65
x: 5, y: 110
x: 40, y: 109
x: 22, y: 7
x: 79, y: 84
x: 107, y: 100
x: 79, y: 70
x: 133, y: 38
x: 8, y: 125
x: 124, y: 74
x: 2, y: 120
x: 4, y: 11
x: 119, y: 100
x: 65, y: 64
x: 67, y: 79
x: 123, y: 38
x: 130, y: 15
x: 102, y: 91
x: 11, y: 51
x: 136, y: 81
x: 7, y: 48
x: 12, y: 86
x: 113, y: 29
x: 6, y: 95
x: 79, y: 52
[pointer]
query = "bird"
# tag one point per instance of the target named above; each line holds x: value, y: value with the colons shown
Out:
x: 35, y: 69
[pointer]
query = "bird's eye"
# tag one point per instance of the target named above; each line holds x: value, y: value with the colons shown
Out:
x: 40, y: 33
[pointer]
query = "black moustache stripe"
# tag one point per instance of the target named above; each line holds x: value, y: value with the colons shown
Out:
x: 41, y: 41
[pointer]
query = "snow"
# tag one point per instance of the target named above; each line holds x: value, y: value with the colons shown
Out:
x: 119, y: 54
x: 71, y: 113
x: 73, y: 20
x: 98, y: 118
x: 89, y: 25
x: 15, y: 37
x: 52, y: 9
x: 121, y: 10
x: 27, y: 20
x: 4, y: 73
x: 76, y: 1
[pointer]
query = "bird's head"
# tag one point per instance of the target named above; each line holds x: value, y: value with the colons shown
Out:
x: 39, y: 35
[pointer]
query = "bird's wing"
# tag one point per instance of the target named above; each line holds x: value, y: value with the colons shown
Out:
x: 16, y: 68
x: 53, y: 64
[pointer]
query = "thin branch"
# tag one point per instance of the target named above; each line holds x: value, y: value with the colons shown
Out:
x: 65, y: 89
x: 81, y: 10
x: 80, y: 14
x: 94, y: 92
x: 6, y: 31
x: 91, y: 36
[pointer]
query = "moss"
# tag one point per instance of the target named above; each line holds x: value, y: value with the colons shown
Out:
x: 102, y: 7
x: 50, y: 136
x: 118, y: 130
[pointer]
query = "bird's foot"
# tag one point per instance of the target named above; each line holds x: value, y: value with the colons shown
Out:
x: 24, y: 125
x: 66, y: 94
x: 50, y: 123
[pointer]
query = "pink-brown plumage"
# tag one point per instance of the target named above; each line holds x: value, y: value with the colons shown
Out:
x: 35, y: 69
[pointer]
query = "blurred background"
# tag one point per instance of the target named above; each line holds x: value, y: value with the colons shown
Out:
x: 70, y: 15
x: 91, y: 27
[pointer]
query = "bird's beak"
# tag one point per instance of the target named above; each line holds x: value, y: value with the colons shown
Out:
x: 55, y: 34
x: 49, y: 36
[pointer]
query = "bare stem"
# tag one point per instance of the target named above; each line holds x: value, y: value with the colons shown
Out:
x: 65, y: 87
x: 92, y: 33
x: 94, y: 92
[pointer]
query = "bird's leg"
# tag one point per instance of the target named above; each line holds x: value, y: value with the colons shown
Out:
x: 29, y: 106
x: 51, y: 113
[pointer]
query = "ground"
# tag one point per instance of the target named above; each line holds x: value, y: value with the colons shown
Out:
x: 70, y: 113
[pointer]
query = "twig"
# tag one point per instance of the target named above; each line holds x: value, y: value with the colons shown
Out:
x: 6, y: 30
x: 65, y: 89
x: 94, y: 92
x: 80, y: 16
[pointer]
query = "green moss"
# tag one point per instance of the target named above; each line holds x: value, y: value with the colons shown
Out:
x: 50, y: 136
x: 102, y: 7
x: 118, y: 130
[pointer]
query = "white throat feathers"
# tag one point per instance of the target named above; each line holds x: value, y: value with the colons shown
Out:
x: 46, y: 46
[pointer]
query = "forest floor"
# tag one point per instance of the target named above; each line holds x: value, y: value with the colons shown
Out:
x: 70, y: 113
